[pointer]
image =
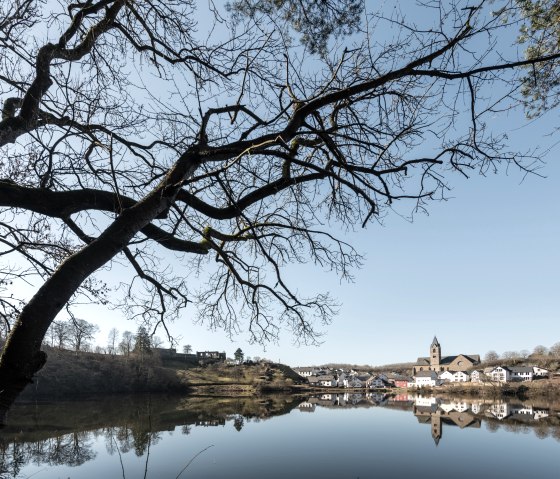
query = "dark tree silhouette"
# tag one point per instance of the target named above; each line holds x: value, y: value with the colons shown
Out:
x: 127, y: 130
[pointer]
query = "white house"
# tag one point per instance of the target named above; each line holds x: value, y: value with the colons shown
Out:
x: 446, y: 376
x: 327, y: 381
x: 306, y: 372
x: 426, y: 379
x: 500, y: 374
x: 356, y: 381
x: 521, y: 373
x: 477, y: 376
x: 460, y: 377
x: 540, y: 372
x: 454, y: 376
x: 376, y: 382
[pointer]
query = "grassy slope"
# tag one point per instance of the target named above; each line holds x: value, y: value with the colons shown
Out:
x: 67, y: 374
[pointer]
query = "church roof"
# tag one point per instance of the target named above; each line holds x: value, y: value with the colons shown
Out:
x: 424, y: 361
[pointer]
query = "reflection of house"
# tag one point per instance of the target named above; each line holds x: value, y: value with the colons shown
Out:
x: 435, y: 362
x: 459, y: 406
x: 500, y: 410
x: 437, y: 417
x: 306, y: 406
x: 210, y: 422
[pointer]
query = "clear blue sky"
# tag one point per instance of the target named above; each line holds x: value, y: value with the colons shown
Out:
x: 481, y: 272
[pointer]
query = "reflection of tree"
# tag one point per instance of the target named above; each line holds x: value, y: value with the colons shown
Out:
x: 238, y: 422
x: 186, y: 429
x: 124, y: 438
x: 542, y: 431
x: 492, y: 426
x: 70, y: 449
x: 13, y: 459
x: 143, y: 439
x: 110, y: 440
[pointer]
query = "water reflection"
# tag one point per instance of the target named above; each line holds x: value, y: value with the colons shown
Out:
x: 69, y: 434
x: 513, y: 414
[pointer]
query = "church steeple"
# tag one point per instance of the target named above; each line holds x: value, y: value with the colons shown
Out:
x: 435, y: 354
x: 436, y: 428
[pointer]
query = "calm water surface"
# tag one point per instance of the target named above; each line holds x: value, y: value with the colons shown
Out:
x: 329, y: 436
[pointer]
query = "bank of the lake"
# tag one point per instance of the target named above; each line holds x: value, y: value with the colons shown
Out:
x: 72, y: 375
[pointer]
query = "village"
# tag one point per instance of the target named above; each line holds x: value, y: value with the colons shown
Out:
x: 432, y: 371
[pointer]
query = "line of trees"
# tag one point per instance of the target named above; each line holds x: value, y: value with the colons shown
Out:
x: 79, y: 334
x: 538, y: 351
x: 75, y: 334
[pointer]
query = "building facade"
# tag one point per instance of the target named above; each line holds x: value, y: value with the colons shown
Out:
x: 438, y: 363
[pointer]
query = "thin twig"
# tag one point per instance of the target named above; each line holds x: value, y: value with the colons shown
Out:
x: 195, y: 456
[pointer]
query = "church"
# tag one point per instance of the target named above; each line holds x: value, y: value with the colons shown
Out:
x: 435, y: 362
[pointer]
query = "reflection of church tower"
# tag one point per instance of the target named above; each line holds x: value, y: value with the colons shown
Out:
x: 435, y: 355
x: 436, y: 427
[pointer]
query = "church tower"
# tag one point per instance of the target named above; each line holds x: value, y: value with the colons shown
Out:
x: 435, y: 355
x: 436, y: 428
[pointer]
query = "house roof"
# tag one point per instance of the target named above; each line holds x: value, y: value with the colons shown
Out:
x: 521, y: 369
x: 426, y: 374
x: 423, y: 361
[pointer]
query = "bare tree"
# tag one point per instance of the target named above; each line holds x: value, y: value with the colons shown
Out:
x: 511, y: 355
x: 80, y: 332
x: 490, y: 356
x: 125, y: 346
x: 187, y: 349
x: 113, y: 341
x: 540, y: 350
x: 555, y: 350
x: 230, y: 149
x: 60, y: 333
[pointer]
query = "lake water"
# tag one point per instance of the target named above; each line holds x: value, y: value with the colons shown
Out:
x: 328, y: 436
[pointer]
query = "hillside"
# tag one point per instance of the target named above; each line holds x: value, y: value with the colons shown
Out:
x: 68, y: 374
x: 260, y: 377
